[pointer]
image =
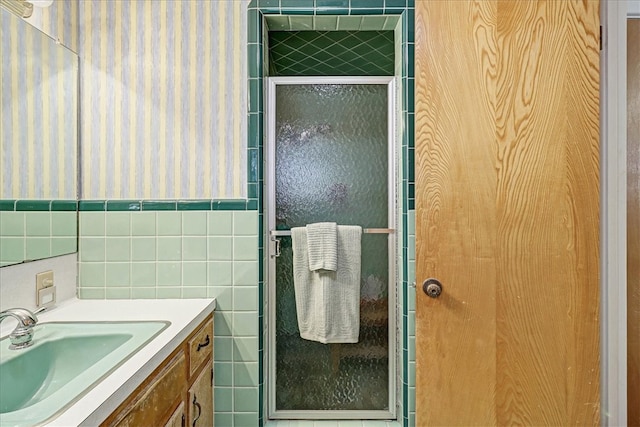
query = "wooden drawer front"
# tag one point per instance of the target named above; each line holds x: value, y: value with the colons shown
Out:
x: 200, y: 346
x: 164, y: 389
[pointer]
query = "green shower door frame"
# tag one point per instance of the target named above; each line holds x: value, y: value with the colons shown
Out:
x: 363, y: 396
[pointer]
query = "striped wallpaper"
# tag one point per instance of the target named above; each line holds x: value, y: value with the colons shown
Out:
x: 60, y: 21
x: 38, y: 119
x: 164, y: 99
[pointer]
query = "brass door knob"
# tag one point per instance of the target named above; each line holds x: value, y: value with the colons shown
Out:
x: 432, y: 287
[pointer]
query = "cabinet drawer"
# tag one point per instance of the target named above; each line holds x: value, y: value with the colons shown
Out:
x: 160, y: 393
x: 200, y: 346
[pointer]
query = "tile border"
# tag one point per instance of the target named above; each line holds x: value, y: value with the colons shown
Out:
x: 30, y: 205
x: 167, y: 205
x: 119, y: 205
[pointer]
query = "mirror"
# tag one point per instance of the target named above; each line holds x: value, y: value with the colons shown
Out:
x: 38, y: 144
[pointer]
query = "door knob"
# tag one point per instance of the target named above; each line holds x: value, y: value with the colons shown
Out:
x: 432, y: 288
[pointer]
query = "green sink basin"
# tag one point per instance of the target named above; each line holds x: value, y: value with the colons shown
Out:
x: 65, y: 361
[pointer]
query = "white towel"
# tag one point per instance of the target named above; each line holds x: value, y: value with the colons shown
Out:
x: 322, y: 246
x: 328, y: 302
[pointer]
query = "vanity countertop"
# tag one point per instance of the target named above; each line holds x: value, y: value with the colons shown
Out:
x: 106, y: 396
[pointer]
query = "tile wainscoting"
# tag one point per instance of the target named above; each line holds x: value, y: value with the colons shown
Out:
x: 185, y: 254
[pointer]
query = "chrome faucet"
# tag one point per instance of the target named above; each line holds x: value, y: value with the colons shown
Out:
x: 22, y: 335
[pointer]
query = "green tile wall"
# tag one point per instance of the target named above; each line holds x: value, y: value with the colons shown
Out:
x: 29, y: 235
x: 410, y: 379
x: 185, y: 254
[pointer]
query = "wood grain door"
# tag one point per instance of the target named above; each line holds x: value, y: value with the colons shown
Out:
x: 507, y: 212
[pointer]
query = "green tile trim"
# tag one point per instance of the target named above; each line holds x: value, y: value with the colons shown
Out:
x: 253, y: 164
x: 335, y: 7
x: 411, y: 165
x: 252, y: 29
x: 278, y: 22
x: 254, y: 67
x: 38, y: 205
x: 64, y: 205
x: 340, y: 4
x: 365, y: 4
x: 194, y: 205
x: 255, y: 95
x: 411, y: 132
x: 350, y: 23
x: 296, y: 10
x: 410, y: 95
x: 410, y: 60
x: 308, y: 4
x: 392, y: 10
x: 268, y: 3
x: 33, y: 205
x: 229, y: 205
x: 7, y: 205
x: 367, y: 11
x: 124, y: 205
x: 273, y: 8
x: 331, y: 11
x: 159, y: 205
x: 378, y: 23
x: 410, y: 26
x: 92, y: 205
x: 252, y: 190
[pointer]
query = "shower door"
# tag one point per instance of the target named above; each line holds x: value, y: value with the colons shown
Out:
x: 330, y: 159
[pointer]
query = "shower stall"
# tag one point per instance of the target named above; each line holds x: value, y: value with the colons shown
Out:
x: 331, y: 157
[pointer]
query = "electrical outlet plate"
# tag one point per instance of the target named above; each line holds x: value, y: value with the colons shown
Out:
x: 43, y: 280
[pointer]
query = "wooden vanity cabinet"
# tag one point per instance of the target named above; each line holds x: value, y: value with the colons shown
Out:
x: 179, y: 392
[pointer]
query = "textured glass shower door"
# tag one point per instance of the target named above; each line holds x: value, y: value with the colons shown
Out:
x: 331, y: 160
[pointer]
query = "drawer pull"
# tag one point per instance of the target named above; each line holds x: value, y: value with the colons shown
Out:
x: 206, y: 342
x: 197, y: 405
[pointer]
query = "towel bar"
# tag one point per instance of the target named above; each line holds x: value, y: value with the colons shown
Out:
x: 364, y: 230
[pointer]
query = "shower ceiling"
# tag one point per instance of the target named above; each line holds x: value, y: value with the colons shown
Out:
x: 331, y: 45
x: 331, y: 53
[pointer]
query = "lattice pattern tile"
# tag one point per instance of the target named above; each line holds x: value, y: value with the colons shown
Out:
x: 331, y: 53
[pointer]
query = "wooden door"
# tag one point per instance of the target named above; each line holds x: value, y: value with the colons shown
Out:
x: 507, y: 212
x: 633, y: 221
